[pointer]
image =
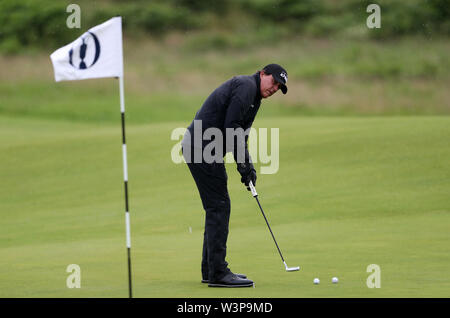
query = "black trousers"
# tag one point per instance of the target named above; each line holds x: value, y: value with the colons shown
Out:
x: 211, y: 180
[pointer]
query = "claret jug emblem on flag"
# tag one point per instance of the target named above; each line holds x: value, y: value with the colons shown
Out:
x: 85, y: 51
x: 96, y: 53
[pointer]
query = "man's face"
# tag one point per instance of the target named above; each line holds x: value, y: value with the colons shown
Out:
x: 268, y: 85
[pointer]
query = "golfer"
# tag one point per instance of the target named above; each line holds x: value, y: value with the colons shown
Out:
x: 229, y: 113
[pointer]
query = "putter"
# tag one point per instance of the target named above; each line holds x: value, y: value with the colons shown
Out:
x: 255, y: 195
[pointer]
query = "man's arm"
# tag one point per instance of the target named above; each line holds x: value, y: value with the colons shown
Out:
x: 236, y: 139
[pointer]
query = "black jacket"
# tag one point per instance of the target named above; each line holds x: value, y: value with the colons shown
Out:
x: 234, y: 104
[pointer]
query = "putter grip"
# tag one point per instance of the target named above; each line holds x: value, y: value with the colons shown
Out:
x: 252, y: 188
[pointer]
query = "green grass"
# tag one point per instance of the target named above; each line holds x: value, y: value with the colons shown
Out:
x: 362, y: 179
x: 56, y: 101
x: 349, y: 192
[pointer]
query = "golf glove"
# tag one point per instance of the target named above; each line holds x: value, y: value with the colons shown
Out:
x: 248, y: 173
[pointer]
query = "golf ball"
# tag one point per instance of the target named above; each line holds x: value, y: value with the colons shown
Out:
x: 334, y: 280
x: 316, y: 281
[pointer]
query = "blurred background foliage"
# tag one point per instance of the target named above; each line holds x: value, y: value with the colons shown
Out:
x: 233, y: 23
x: 178, y: 51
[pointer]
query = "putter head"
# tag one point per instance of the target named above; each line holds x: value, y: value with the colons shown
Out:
x: 291, y: 269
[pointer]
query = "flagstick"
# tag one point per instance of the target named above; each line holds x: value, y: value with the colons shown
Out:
x: 125, y: 176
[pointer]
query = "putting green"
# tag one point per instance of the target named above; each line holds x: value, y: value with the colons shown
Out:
x: 349, y: 192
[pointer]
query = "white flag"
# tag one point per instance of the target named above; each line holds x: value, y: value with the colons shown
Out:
x: 97, y: 53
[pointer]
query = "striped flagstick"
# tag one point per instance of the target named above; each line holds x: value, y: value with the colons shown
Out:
x: 107, y: 38
x: 125, y: 178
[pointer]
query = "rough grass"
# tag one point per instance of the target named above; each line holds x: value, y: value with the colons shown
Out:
x: 165, y: 81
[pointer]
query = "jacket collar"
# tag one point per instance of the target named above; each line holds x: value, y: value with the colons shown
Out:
x: 258, y: 85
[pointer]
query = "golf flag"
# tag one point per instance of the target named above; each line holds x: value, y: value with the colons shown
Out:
x: 97, y: 53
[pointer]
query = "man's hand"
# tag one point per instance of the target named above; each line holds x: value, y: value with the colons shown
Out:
x: 248, y: 173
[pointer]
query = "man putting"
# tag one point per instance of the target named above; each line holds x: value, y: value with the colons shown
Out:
x: 229, y: 112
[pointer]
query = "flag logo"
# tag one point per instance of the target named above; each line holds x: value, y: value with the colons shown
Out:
x: 96, y: 53
x: 85, y: 51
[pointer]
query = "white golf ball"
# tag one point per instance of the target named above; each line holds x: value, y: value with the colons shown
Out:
x: 334, y: 280
x: 316, y: 281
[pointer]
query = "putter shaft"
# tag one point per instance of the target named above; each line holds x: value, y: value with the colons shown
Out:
x: 255, y: 195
